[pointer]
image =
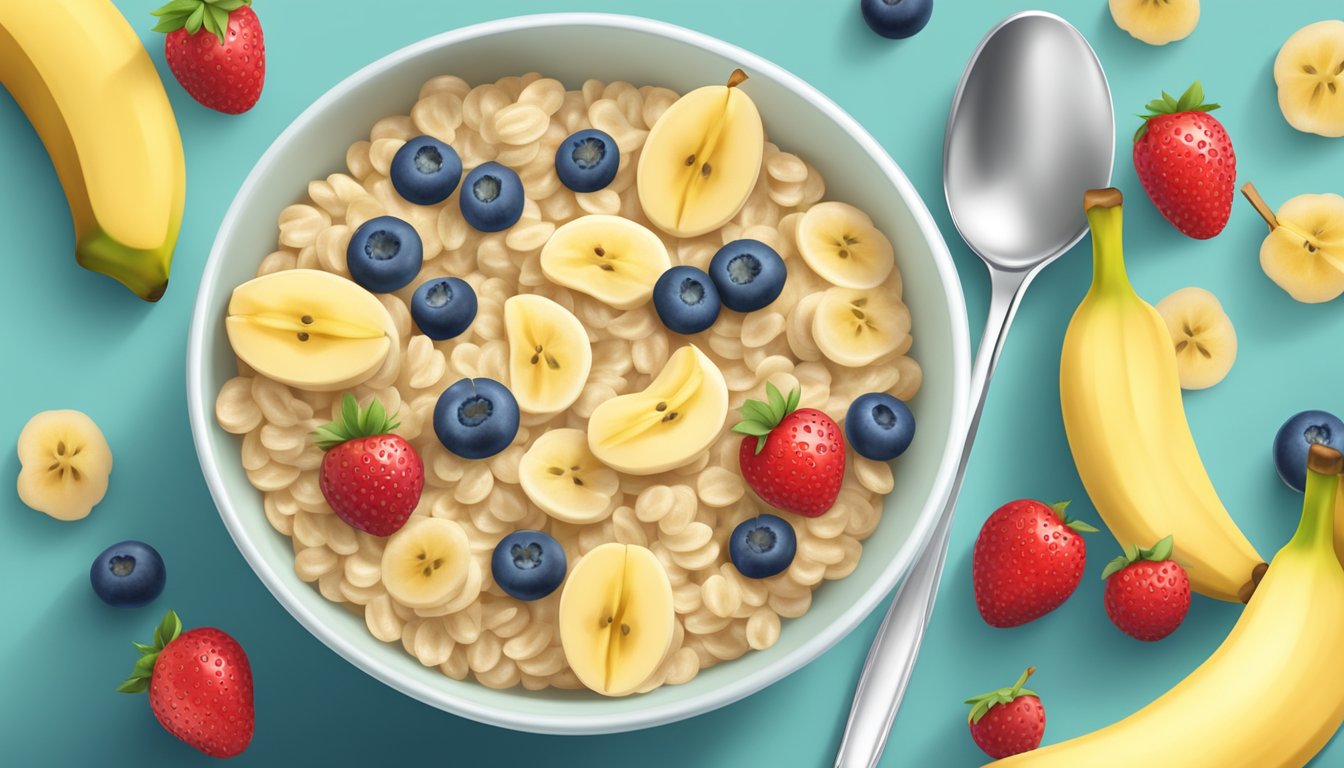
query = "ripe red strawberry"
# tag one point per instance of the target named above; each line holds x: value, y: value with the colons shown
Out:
x: 371, y: 479
x: 1028, y: 559
x: 1147, y: 594
x: 1185, y: 162
x: 200, y: 686
x: 1008, y: 721
x: 793, y: 458
x: 216, y: 51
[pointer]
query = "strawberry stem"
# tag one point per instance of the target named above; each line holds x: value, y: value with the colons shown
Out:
x: 192, y: 15
x: 355, y: 422
x: 1191, y: 101
x: 1261, y: 207
x: 1157, y: 553
x: 760, y: 418
x: 980, y: 705
x: 166, y: 632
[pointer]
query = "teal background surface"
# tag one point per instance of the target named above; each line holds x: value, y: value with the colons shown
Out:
x: 74, y: 339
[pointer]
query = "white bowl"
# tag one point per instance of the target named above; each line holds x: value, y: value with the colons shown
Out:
x: 641, y: 51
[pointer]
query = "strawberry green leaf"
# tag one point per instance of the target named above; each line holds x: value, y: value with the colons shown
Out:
x: 755, y: 410
x: 350, y: 412
x: 754, y: 428
x: 355, y: 422
x: 195, y: 20
x: 134, y: 685
x: 141, y: 647
x: 777, y: 401
x: 795, y: 396
x: 1133, y: 554
x: 1159, y: 551
x: 1192, y: 100
x: 170, y: 628
x: 193, y: 15
x: 986, y: 701
x: 1082, y: 527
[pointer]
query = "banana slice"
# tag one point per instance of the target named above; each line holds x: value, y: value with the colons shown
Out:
x: 65, y: 464
x: 310, y: 329
x: 563, y: 477
x: 1309, y: 71
x: 1206, y: 342
x: 840, y: 243
x: 549, y: 354
x: 667, y: 425
x: 610, y: 258
x: 616, y: 618
x: 425, y: 563
x: 1304, y: 252
x: 1156, y: 22
x: 854, y: 328
x: 701, y: 159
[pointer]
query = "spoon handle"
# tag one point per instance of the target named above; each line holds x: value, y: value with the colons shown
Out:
x: 891, y: 658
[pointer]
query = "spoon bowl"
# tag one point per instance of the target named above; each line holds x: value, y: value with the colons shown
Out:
x: 1031, y: 128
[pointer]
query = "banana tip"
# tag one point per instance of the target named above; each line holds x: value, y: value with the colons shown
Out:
x: 1325, y: 460
x: 1110, y: 197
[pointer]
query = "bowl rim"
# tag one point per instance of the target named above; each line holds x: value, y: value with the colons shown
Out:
x: 201, y: 411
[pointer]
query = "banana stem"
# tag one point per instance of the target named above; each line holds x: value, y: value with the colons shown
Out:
x: 1105, y: 216
x: 1317, y: 528
x: 1261, y: 207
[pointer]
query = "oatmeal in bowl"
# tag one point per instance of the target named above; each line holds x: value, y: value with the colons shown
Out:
x: 484, y: 415
x: 586, y: 400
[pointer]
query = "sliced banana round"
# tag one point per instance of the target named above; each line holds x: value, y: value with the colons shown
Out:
x: 1304, y: 253
x: 1156, y: 22
x: 669, y: 424
x: 616, y: 618
x: 1309, y: 71
x: 425, y: 563
x: 563, y: 477
x: 840, y: 244
x: 610, y: 258
x: 65, y: 464
x: 856, y: 327
x: 549, y: 354
x: 1206, y: 342
x: 310, y: 329
x: 701, y: 159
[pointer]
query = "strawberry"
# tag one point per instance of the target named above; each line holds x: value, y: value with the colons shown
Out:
x: 1008, y: 721
x: 1028, y: 560
x: 216, y: 51
x: 200, y: 686
x: 793, y: 458
x: 370, y: 478
x: 1147, y: 593
x: 1185, y: 162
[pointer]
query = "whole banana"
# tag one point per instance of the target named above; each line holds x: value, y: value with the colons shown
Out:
x: 80, y: 74
x: 1126, y: 425
x: 1272, y: 695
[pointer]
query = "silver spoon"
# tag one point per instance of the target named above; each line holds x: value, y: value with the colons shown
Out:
x: 1031, y: 128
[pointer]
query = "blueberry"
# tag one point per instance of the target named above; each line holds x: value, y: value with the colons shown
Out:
x: 443, y: 307
x: 762, y: 546
x: 528, y: 564
x: 492, y: 198
x: 1295, y: 438
x: 384, y: 254
x: 587, y: 161
x: 130, y: 573
x: 476, y: 418
x: 896, y: 19
x: 425, y: 171
x: 748, y: 273
x: 686, y: 300
x: 879, y: 427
